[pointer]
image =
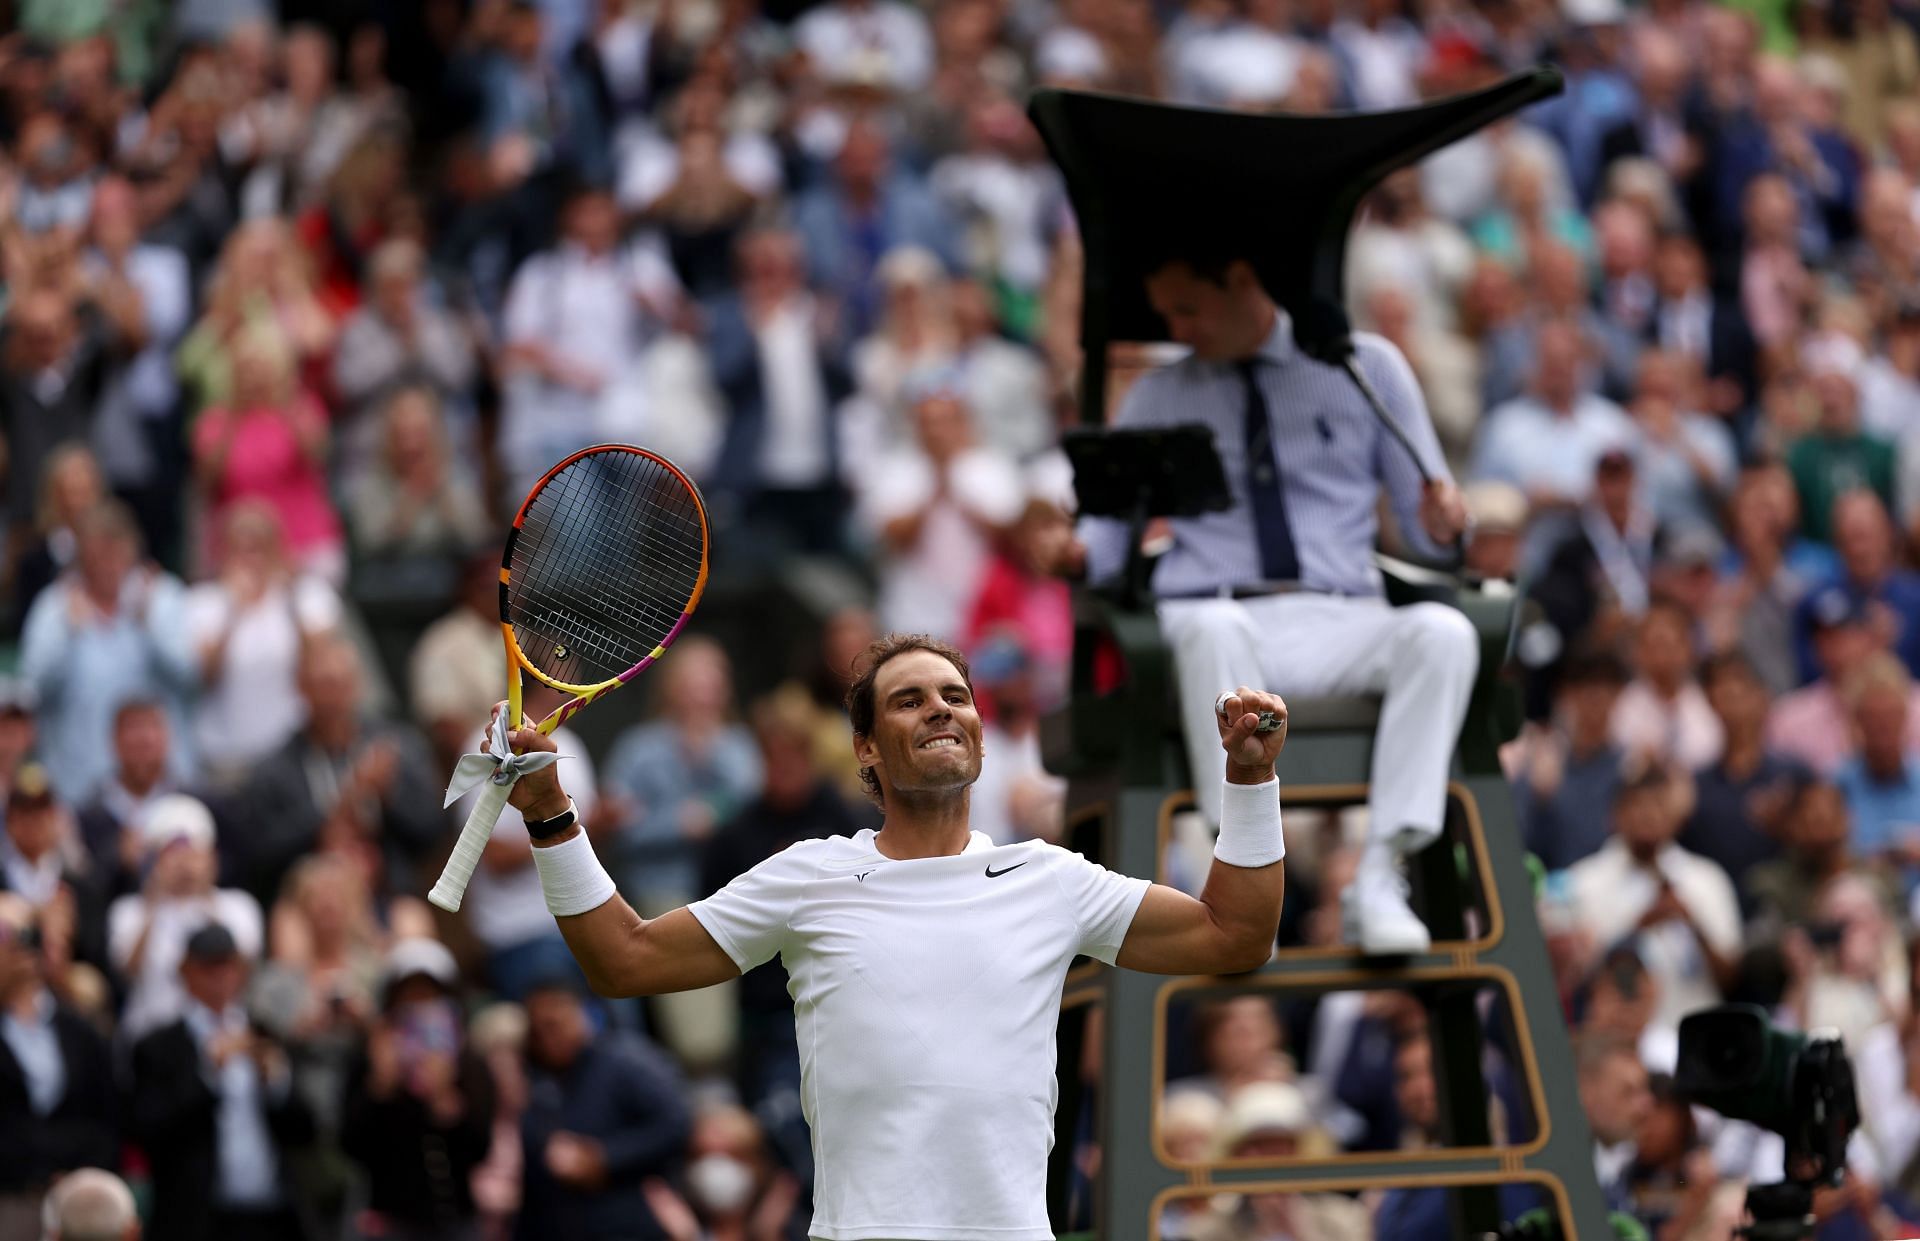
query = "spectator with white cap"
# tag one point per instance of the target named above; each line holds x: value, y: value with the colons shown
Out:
x: 1497, y: 518
x: 147, y: 931
x: 92, y: 1204
x: 419, y: 1107
x: 1271, y: 1120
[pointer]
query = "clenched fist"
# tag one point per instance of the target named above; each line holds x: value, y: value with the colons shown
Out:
x: 1253, y: 728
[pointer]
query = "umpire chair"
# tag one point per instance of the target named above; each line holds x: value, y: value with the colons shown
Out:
x: 1288, y: 187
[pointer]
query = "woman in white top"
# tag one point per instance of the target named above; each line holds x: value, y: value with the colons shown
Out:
x: 247, y: 628
x: 916, y: 334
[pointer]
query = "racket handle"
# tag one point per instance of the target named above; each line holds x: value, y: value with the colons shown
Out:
x: 452, y: 885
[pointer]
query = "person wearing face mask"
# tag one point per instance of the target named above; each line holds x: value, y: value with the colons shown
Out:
x: 731, y: 1194
x: 603, y: 1113
x: 419, y: 1103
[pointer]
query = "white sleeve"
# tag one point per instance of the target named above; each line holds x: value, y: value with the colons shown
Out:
x: 206, y: 612
x: 1716, y: 910
x: 749, y: 917
x: 903, y: 485
x: 125, y: 918
x: 315, y: 605
x: 989, y: 486
x: 650, y: 269
x: 646, y: 174
x: 523, y: 319
x: 240, y: 914
x: 1103, y: 903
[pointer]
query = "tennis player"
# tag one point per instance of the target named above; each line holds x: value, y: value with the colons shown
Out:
x: 925, y: 961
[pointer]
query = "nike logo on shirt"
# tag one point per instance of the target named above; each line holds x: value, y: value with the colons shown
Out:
x: 995, y: 874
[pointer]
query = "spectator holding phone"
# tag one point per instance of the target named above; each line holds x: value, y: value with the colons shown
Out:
x: 1678, y: 907
x: 418, y: 1115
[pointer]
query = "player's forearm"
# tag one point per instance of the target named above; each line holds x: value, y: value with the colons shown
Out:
x: 606, y: 943
x: 1247, y: 880
x: 621, y: 953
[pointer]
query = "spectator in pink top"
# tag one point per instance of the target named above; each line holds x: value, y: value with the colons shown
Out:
x: 270, y: 442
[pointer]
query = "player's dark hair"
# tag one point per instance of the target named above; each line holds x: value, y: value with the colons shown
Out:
x: 867, y: 665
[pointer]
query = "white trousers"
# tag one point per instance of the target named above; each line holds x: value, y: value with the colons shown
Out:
x: 1422, y: 658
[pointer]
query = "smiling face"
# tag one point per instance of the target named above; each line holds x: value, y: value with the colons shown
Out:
x: 926, y: 730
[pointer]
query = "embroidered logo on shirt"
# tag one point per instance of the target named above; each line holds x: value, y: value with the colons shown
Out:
x: 995, y: 874
x: 862, y: 876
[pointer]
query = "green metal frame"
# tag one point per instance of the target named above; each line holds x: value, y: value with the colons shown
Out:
x: 1127, y: 773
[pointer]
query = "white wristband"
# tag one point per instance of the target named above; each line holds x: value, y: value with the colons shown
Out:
x: 571, y: 877
x: 1250, y: 825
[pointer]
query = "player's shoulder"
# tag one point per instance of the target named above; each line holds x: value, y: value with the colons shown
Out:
x: 1048, y: 854
x: 804, y: 857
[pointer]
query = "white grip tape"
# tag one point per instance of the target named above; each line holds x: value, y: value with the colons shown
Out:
x: 451, y: 888
x: 1250, y: 833
x: 571, y: 877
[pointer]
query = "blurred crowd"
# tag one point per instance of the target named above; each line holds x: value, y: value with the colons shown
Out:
x: 296, y: 300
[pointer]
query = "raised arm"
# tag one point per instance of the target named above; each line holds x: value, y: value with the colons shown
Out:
x: 1231, y: 927
x: 621, y: 953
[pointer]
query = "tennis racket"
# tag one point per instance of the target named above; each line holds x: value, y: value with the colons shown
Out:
x: 606, y: 560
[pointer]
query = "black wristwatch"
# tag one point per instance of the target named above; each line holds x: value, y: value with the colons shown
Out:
x: 547, y: 829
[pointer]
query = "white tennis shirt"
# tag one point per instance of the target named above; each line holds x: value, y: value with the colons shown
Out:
x: 926, y: 997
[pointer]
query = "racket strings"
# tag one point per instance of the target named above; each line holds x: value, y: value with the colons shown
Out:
x: 639, y: 553
x: 595, y: 608
x: 609, y: 554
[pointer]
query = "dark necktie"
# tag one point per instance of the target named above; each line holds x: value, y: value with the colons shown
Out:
x: 1278, y: 563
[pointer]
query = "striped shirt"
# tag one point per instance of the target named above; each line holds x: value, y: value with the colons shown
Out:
x: 1333, y: 455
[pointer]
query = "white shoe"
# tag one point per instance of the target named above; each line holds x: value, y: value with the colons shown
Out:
x: 1375, y: 916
